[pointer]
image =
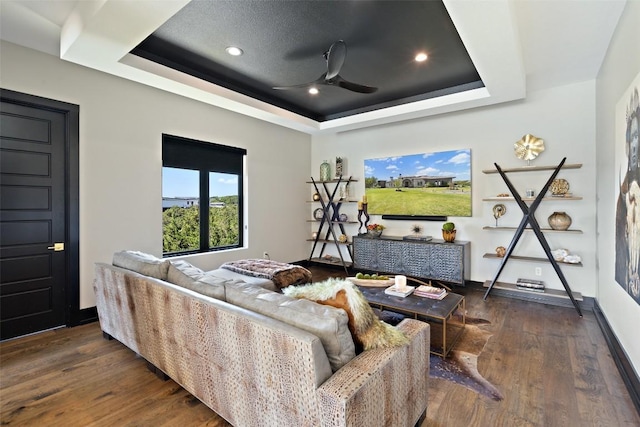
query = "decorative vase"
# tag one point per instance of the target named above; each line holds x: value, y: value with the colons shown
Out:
x: 339, y: 167
x: 559, y: 221
x: 449, y: 236
x: 325, y: 171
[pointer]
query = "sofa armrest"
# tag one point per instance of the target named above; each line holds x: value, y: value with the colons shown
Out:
x: 382, y: 386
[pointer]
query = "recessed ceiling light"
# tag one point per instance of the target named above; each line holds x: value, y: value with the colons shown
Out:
x: 234, y: 51
x: 421, y: 57
x: 313, y: 90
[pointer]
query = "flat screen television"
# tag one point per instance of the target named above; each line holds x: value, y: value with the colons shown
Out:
x: 419, y: 186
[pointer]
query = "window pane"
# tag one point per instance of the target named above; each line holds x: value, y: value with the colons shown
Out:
x: 223, y: 210
x: 180, y: 210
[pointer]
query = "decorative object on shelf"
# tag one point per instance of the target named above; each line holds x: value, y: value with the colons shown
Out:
x: 343, y: 217
x: 375, y: 230
x: 559, y: 254
x: 343, y: 191
x: 559, y: 221
x: 416, y: 229
x: 343, y: 238
x: 500, y: 251
x: 316, y: 197
x: 340, y: 169
x: 314, y: 235
x: 325, y: 171
x: 448, y: 232
x: 318, y: 214
x: 559, y: 187
x: 563, y: 255
x: 362, y: 212
x: 498, y: 211
x: 573, y: 259
x: 503, y: 195
x: 528, y: 148
x: 530, y: 193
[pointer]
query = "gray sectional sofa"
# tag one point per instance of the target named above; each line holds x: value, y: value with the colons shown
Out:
x: 255, y: 356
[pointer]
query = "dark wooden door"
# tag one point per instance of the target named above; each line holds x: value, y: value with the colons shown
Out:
x: 32, y: 219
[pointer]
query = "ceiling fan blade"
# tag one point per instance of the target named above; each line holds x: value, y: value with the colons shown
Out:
x: 355, y: 87
x: 320, y: 80
x: 335, y: 58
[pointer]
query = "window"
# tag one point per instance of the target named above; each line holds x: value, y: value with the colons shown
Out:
x: 202, y: 201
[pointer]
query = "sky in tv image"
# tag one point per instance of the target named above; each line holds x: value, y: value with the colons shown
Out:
x: 426, y: 184
x: 443, y: 163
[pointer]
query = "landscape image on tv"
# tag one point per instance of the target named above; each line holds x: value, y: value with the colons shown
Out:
x: 428, y: 184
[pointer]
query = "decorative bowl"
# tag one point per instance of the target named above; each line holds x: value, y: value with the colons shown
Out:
x: 374, y: 233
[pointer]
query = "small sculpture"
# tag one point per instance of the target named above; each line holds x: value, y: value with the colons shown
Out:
x: 498, y: 211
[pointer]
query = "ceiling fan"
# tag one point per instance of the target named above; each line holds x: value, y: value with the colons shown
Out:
x: 335, y: 57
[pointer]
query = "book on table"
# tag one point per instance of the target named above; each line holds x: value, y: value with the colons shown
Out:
x: 432, y: 292
x: 406, y: 291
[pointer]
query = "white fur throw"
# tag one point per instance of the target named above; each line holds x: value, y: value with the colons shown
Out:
x: 367, y: 330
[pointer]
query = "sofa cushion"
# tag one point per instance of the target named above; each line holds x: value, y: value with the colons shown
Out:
x: 368, y: 330
x: 329, y: 324
x: 231, y: 275
x: 142, y: 263
x: 184, y: 274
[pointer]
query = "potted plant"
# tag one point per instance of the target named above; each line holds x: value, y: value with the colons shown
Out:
x: 449, y: 231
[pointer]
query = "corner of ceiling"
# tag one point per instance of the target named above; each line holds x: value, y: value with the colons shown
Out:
x: 113, y: 28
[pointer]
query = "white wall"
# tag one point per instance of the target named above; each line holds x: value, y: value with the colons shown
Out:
x: 620, y: 67
x: 121, y: 124
x: 564, y: 117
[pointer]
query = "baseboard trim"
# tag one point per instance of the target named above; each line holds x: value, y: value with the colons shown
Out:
x: 631, y: 380
x: 86, y: 315
x: 539, y: 297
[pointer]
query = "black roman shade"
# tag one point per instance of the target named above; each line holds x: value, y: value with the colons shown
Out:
x: 179, y: 152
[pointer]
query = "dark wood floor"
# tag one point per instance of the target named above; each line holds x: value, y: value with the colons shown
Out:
x: 553, y: 367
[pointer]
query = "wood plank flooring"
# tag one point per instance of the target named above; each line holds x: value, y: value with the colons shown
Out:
x: 553, y: 367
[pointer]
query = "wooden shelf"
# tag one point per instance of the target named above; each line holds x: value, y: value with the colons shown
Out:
x: 545, y: 230
x: 553, y: 293
x: 335, y: 201
x: 334, y: 222
x: 327, y: 234
x: 530, y: 199
x: 530, y: 258
x: 332, y: 261
x: 334, y: 181
x: 329, y: 241
x: 534, y: 168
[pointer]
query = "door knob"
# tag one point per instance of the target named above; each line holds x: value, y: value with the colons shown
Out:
x: 57, y: 247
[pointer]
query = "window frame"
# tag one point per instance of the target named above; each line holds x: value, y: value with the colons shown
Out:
x: 206, y: 157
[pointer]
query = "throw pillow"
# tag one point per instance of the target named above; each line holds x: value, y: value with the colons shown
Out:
x: 184, y: 274
x: 142, y: 263
x: 367, y: 329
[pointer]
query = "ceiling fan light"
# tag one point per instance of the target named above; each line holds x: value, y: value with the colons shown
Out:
x: 313, y: 90
x: 234, y: 51
x: 421, y: 57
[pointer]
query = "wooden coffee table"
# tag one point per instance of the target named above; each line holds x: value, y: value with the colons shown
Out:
x: 437, y: 312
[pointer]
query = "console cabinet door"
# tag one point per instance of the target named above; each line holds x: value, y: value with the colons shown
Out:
x: 447, y: 262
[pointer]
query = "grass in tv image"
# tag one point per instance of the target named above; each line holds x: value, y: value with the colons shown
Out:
x: 420, y: 184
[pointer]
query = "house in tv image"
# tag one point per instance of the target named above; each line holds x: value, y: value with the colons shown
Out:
x: 417, y: 182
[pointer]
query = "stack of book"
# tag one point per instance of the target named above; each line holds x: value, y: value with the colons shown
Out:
x: 430, y: 292
x: 530, y: 285
x: 404, y: 292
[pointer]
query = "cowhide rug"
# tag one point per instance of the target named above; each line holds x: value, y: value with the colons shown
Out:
x: 461, y: 364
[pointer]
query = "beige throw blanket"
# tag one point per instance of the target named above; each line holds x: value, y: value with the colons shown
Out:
x: 282, y: 274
